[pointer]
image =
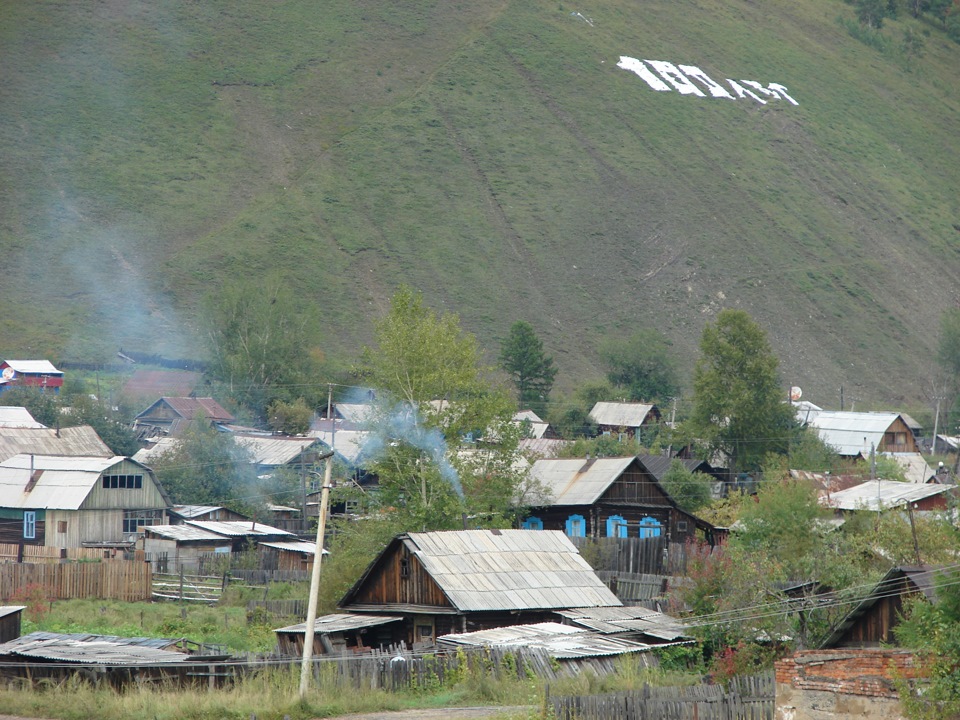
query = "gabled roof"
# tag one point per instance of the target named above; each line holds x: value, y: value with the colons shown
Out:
x: 189, y: 407
x: 348, y: 444
x: 237, y: 528
x: 57, y: 483
x: 542, y: 447
x: 81, y: 440
x: 14, y: 416
x: 901, y: 580
x: 621, y: 414
x: 189, y: 512
x: 486, y: 570
x: 915, y: 468
x: 886, y: 493
x: 563, y: 642
x: 574, y: 481
x: 849, y: 433
x: 32, y: 367
x: 658, y: 465
x: 184, y: 533
x: 355, y: 413
x: 274, y: 450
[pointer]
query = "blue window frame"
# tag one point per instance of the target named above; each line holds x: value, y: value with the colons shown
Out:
x: 576, y: 526
x: 533, y: 523
x: 616, y: 526
x: 650, y: 527
x: 29, y: 525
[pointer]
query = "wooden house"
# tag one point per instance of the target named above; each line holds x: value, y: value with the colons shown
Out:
x: 242, y: 534
x: 857, y: 434
x: 169, y: 416
x: 871, y: 622
x: 608, y: 497
x: 79, y: 441
x: 460, y: 581
x: 625, y: 419
x: 879, y: 495
x: 69, y: 502
x: 179, y: 514
x: 287, y: 555
x: 30, y: 373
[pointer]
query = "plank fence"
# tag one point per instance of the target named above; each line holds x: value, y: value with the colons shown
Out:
x: 11, y: 553
x: 126, y: 581
x: 634, y: 555
x: 295, y: 609
x: 746, y: 698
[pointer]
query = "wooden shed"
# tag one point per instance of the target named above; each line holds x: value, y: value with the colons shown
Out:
x: 10, y: 618
x: 175, y: 547
x: 460, y: 581
x: 338, y: 633
x: 871, y: 622
x: 608, y: 497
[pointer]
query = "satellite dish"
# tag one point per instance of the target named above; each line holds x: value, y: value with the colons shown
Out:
x: 795, y: 393
x: 8, y: 373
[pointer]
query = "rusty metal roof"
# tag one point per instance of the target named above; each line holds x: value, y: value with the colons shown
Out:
x: 563, y: 642
x: 509, y: 570
x: 81, y: 440
x: 190, y: 407
x: 93, y: 649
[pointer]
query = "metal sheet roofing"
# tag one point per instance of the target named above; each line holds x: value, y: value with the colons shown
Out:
x: 356, y: 413
x: 75, y: 441
x: 615, y: 620
x: 620, y: 414
x: 562, y: 642
x: 509, y: 569
x: 150, y: 454
x: 61, y: 483
x: 340, y: 622
x: 885, y: 493
x: 348, y: 444
x: 184, y: 533
x: 542, y: 447
x: 93, y: 649
x: 11, y: 609
x: 190, y: 512
x: 33, y: 367
x: 14, y: 416
x: 576, y: 481
x: 915, y: 468
x: 849, y: 433
x: 299, y: 546
x: 237, y: 528
x: 274, y: 450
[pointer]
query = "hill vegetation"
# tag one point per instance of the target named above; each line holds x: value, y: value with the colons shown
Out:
x: 492, y: 154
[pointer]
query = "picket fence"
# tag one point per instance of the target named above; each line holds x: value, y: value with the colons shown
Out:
x: 118, y: 580
x: 745, y: 698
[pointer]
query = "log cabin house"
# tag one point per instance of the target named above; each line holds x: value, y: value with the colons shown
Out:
x: 460, y: 581
x: 624, y: 419
x: 608, y: 497
x: 71, y: 502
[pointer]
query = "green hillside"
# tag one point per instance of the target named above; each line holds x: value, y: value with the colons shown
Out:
x: 492, y: 154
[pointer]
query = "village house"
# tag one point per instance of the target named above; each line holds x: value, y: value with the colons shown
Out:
x: 71, y: 502
x: 624, y: 419
x: 857, y: 434
x: 79, y: 441
x: 608, y: 497
x: 30, y: 373
x: 878, y: 495
x: 170, y: 416
x: 14, y: 416
x: 460, y: 581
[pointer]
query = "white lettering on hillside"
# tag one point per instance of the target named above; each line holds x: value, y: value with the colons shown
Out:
x: 665, y: 76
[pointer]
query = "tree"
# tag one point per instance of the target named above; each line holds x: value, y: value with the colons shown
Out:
x: 208, y: 468
x: 432, y: 398
x: 43, y: 406
x: 738, y: 404
x: 641, y: 365
x: 290, y: 418
x: 872, y: 12
x: 691, y: 491
x: 529, y: 367
x: 263, y: 344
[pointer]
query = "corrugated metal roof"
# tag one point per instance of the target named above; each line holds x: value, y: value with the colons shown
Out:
x: 542, y: 447
x: 62, y: 483
x: 163, y: 445
x: 509, y: 570
x: 14, y: 416
x: 576, y: 481
x: 356, y: 413
x: 620, y: 414
x: 300, y: 546
x: 190, y: 512
x: 93, y: 649
x: 340, y: 622
x: 889, y: 493
x: 849, y: 433
x: 348, y: 444
x: 614, y: 620
x: 184, y: 533
x: 562, y: 642
x: 274, y: 450
x: 81, y: 440
x: 237, y: 528
x: 44, y: 367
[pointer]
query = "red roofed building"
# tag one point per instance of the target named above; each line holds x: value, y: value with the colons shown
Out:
x: 169, y: 416
x: 32, y: 373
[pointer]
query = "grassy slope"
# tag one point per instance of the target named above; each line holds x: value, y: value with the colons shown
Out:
x: 491, y: 154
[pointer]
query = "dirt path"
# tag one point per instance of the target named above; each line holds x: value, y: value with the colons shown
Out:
x: 456, y: 713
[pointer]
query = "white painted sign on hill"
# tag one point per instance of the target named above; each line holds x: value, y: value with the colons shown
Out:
x: 664, y: 76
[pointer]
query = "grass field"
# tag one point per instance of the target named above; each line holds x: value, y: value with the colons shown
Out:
x: 492, y: 154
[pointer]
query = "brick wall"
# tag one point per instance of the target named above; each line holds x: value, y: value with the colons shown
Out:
x: 848, y: 684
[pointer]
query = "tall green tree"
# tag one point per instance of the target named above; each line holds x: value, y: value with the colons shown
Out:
x: 641, y: 366
x: 529, y: 367
x: 436, y: 413
x: 738, y: 402
x: 263, y: 344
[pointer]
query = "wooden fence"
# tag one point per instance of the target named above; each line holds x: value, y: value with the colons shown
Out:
x: 127, y: 581
x: 651, y: 556
x: 746, y: 698
x: 281, y: 609
x: 40, y: 553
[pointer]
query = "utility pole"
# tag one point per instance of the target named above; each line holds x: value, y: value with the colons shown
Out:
x: 311, y: 624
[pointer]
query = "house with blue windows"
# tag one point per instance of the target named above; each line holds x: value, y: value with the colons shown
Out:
x: 608, y: 497
x: 70, y: 502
